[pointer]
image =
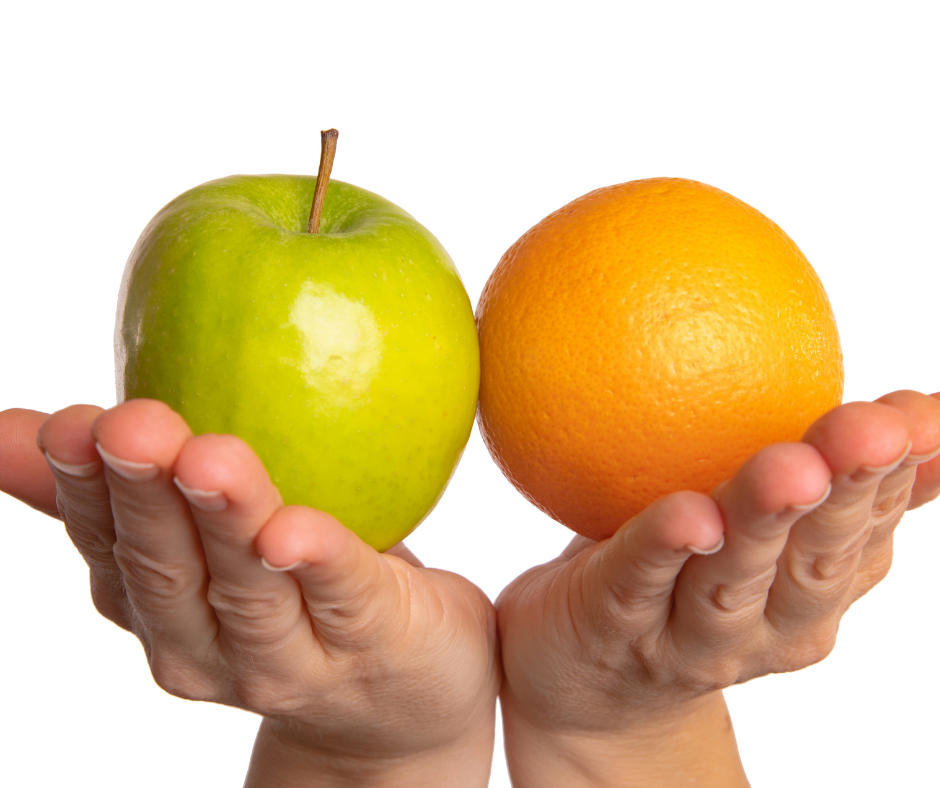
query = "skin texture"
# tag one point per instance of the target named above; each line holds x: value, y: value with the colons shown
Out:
x: 638, y: 634
x: 371, y: 670
x: 357, y: 343
x: 368, y: 668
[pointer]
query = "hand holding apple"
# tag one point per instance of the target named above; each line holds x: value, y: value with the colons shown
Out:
x: 615, y: 653
x: 366, y: 666
x: 339, y: 341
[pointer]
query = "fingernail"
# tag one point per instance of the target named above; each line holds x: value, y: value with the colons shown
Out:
x: 79, y: 471
x: 295, y: 565
x: 808, y: 507
x: 886, y: 469
x: 132, y: 471
x: 708, y: 551
x: 204, y: 500
x: 917, y: 459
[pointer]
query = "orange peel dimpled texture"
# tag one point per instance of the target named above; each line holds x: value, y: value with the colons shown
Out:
x: 644, y: 339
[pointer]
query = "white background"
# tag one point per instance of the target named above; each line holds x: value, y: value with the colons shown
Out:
x: 478, y: 119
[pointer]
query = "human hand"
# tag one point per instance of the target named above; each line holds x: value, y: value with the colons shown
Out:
x: 368, y: 668
x: 615, y: 653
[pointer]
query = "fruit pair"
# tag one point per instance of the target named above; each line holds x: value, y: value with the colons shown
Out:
x: 645, y: 338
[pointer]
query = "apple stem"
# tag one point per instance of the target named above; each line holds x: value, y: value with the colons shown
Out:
x: 327, y: 152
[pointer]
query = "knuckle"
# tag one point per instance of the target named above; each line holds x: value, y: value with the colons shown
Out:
x: 624, y: 600
x: 95, y: 548
x: 824, y: 569
x: 735, y: 598
x: 618, y: 664
x: 891, y: 503
x: 825, y: 574
x: 261, y: 613
x: 161, y: 581
x: 646, y: 657
x: 358, y: 624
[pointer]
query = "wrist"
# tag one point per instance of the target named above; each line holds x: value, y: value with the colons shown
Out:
x: 282, y: 759
x: 691, y: 743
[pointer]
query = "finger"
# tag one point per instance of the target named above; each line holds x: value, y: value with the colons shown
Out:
x: 862, y: 442
x: 927, y: 482
x: 630, y: 577
x: 720, y: 599
x: 894, y: 492
x: 893, y: 496
x: 158, y: 548
x: 232, y: 497
x: 24, y: 473
x: 65, y: 441
x: 354, y: 595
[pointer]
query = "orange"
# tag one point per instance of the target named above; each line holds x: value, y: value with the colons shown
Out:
x: 648, y: 338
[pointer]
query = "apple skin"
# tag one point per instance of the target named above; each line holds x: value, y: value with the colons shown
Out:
x: 348, y: 360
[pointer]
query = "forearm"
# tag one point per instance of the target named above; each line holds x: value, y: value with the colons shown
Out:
x: 692, y: 746
x: 278, y: 761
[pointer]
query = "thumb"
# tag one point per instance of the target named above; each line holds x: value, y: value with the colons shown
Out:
x: 24, y: 473
x: 351, y: 591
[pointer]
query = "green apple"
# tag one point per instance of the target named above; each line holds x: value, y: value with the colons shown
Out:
x: 347, y: 359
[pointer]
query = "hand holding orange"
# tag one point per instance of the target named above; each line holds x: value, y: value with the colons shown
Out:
x: 647, y: 338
